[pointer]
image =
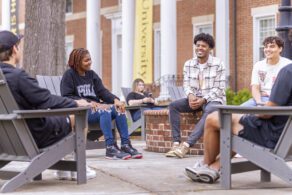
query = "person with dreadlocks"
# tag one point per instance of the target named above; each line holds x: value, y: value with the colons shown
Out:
x: 80, y: 82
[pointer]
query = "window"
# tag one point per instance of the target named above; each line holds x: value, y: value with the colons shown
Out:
x: 204, y: 28
x: 266, y: 28
x: 264, y: 23
x: 69, y: 46
x: 69, y: 6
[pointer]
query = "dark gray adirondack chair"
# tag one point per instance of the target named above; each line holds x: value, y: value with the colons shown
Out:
x: 52, y: 83
x: 259, y: 158
x: 140, y: 123
x: 176, y: 92
x: 17, y: 143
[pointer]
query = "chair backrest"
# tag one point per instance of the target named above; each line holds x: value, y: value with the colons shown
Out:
x: 176, y: 92
x: 126, y: 91
x: 52, y: 83
x: 284, y: 145
x: 16, y: 141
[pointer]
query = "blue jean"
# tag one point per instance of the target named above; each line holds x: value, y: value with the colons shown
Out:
x: 104, y: 118
x: 137, y: 114
x: 252, y: 102
x: 182, y: 105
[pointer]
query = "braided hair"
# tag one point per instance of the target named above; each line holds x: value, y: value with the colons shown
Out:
x: 76, y: 56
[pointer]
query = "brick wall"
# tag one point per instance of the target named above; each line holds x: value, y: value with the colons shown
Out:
x: 158, y: 131
x: 245, y: 38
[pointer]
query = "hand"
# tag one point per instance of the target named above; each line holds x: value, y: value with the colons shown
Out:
x: 195, y: 102
x: 148, y: 100
x: 83, y: 103
x: 192, y: 99
x: 97, y: 106
x: 120, y: 106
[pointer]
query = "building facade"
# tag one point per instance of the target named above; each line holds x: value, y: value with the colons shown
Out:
x: 238, y: 26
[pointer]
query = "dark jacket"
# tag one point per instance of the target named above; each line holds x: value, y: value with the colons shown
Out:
x: 88, y: 87
x: 30, y: 96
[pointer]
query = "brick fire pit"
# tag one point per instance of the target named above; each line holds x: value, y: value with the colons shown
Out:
x: 158, y: 131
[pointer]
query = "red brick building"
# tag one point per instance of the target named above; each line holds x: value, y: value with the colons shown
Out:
x: 250, y: 21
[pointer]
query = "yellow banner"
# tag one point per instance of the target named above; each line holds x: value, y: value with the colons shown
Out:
x: 143, y: 40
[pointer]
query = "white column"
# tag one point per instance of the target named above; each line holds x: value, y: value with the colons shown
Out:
x: 168, y: 43
x: 5, y: 15
x: 128, y: 25
x: 93, y: 41
x: 222, y: 33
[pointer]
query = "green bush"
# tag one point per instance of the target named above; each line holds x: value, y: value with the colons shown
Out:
x: 237, y: 98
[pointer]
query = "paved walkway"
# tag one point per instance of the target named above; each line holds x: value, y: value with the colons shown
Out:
x: 154, y: 174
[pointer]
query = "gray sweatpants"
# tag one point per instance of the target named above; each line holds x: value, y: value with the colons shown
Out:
x: 181, y: 106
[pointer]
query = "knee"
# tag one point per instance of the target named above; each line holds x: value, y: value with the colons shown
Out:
x: 171, y: 106
x: 212, y: 120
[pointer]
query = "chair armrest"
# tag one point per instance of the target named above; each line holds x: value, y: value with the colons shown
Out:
x: 269, y: 110
x: 5, y: 117
x: 135, y: 107
x: 49, y: 112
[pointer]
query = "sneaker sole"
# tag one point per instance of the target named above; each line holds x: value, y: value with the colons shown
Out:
x: 170, y: 154
x: 179, y: 155
x: 116, y: 158
x: 138, y: 156
x: 192, y: 175
x: 203, y: 178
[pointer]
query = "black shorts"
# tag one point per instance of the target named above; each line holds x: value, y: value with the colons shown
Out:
x: 61, y: 128
x: 260, y: 131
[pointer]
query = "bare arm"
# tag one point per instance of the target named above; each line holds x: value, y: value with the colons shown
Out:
x: 256, y: 94
x: 135, y: 102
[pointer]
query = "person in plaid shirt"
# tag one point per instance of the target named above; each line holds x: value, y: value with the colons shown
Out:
x: 204, y: 84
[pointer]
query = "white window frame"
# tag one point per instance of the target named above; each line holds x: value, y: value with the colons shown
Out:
x: 199, y: 25
x: 70, y: 13
x: 258, y: 14
x: 157, y: 51
x: 68, y: 39
x: 257, y: 44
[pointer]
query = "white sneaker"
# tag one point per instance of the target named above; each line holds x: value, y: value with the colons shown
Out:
x: 72, y: 175
x: 203, y: 174
x: 198, y: 163
x: 63, y: 175
x: 90, y: 174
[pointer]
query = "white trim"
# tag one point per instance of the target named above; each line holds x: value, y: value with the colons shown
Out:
x: 21, y: 26
x: 203, y: 19
x: 264, y: 10
x: 69, y: 38
x: 110, y: 10
x: 75, y: 16
x: 70, y: 13
x: 259, y: 13
x: 157, y: 51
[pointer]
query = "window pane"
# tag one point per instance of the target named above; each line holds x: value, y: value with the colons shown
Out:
x: 68, y: 48
x: 266, y: 29
x: 204, y: 29
x: 69, y: 6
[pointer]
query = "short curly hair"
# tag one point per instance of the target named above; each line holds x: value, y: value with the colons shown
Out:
x: 274, y: 39
x: 206, y: 38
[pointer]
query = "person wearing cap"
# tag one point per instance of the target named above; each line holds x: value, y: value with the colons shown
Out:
x: 29, y: 96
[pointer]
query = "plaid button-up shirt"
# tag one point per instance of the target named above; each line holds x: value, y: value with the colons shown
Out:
x: 209, y: 82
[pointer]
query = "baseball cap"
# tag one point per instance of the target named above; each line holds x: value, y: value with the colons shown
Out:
x: 8, y: 40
